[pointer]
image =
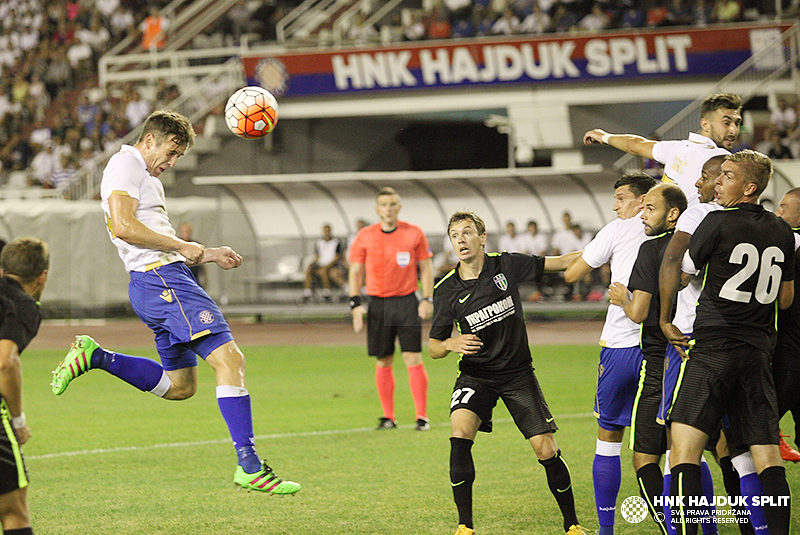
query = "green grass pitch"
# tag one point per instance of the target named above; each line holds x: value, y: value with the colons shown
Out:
x: 108, y: 459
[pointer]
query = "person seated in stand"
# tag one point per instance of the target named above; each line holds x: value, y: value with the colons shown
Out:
x: 326, y: 266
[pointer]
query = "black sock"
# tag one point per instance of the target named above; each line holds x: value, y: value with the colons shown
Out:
x: 651, y: 484
x: 462, y: 475
x: 685, y: 485
x: 776, y: 488
x: 20, y: 531
x: 730, y: 478
x: 560, y: 483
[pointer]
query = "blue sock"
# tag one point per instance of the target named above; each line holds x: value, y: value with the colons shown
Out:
x: 666, y: 509
x: 607, y: 475
x: 707, y: 482
x: 750, y: 485
x: 143, y: 373
x: 234, y: 404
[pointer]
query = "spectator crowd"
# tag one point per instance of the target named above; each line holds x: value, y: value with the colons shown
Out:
x: 53, y: 117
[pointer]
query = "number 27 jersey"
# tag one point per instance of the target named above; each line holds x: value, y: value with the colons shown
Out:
x: 490, y: 308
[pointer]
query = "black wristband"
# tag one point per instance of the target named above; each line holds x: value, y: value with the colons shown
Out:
x: 428, y: 299
x: 355, y: 301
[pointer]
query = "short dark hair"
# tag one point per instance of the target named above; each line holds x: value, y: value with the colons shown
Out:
x: 712, y: 103
x: 759, y: 167
x: 639, y: 182
x: 673, y: 196
x: 25, y: 258
x: 467, y: 216
x: 169, y: 125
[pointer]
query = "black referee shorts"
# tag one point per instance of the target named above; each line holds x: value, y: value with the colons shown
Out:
x: 393, y: 317
x: 521, y: 394
x: 727, y: 376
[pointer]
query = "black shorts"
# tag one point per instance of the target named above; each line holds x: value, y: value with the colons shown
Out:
x: 727, y: 376
x: 786, y: 387
x: 521, y: 394
x: 647, y: 435
x: 13, y: 474
x: 393, y: 317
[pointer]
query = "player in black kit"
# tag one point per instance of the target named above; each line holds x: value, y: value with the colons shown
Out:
x: 480, y: 295
x: 786, y: 358
x: 747, y: 255
x: 662, y: 206
x: 23, y: 275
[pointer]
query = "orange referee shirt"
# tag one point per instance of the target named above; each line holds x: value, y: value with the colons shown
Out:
x: 390, y: 258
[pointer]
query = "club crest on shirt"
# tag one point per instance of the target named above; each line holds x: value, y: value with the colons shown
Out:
x: 206, y: 317
x: 501, y: 282
x: 403, y: 258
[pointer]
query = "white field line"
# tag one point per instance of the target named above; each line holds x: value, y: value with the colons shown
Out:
x: 274, y: 436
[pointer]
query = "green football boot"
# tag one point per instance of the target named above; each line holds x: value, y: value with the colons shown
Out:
x: 264, y: 480
x: 77, y: 362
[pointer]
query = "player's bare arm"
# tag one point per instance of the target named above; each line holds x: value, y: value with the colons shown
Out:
x: 355, y: 279
x: 11, y: 385
x: 224, y: 257
x: 467, y: 344
x: 560, y: 263
x: 630, y: 143
x: 125, y: 226
x: 576, y: 270
x: 635, y: 306
x: 669, y: 282
x: 425, y: 308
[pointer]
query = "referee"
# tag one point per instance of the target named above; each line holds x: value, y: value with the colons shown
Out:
x: 747, y: 255
x: 481, y: 297
x: 391, y: 252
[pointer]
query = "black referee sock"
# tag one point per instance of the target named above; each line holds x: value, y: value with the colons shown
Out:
x: 651, y: 484
x: 776, y: 489
x: 20, y: 531
x: 730, y: 478
x: 685, y: 486
x: 462, y: 475
x: 560, y: 483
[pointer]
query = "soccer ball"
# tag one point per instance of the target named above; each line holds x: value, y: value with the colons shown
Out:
x: 251, y: 112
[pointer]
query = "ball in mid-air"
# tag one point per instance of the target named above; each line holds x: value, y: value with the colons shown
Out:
x: 251, y: 112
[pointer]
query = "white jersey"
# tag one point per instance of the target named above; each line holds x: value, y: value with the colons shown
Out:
x: 683, y: 162
x: 535, y: 245
x: 687, y: 298
x: 327, y: 250
x: 126, y: 174
x: 617, y: 243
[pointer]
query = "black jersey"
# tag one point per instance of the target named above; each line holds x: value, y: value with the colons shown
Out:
x: 746, y: 252
x: 490, y: 308
x: 644, y: 278
x: 20, y: 315
x: 787, y: 349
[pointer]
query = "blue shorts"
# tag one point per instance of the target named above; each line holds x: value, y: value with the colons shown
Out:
x: 185, y: 320
x: 617, y: 382
x: 672, y: 369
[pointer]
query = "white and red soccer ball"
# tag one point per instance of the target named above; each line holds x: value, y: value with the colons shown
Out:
x: 251, y: 112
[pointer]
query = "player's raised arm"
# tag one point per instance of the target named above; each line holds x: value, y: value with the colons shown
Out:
x: 630, y: 143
